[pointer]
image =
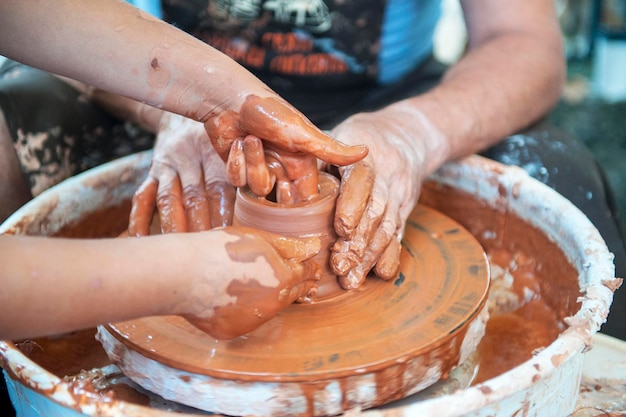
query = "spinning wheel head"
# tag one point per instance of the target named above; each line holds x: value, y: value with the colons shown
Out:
x: 361, y: 348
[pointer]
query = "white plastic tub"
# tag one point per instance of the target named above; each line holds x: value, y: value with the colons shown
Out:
x: 546, y: 385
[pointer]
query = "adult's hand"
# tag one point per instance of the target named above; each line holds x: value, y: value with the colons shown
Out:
x: 259, y: 275
x: 186, y: 183
x: 378, y: 193
x: 268, y: 142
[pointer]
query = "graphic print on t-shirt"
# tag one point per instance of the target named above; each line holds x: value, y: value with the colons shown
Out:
x: 332, y: 41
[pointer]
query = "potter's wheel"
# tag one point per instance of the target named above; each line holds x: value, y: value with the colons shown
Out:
x: 361, y: 349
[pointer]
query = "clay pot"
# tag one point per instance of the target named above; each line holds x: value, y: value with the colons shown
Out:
x: 311, y: 218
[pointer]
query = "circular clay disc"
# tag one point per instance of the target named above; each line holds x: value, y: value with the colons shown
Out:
x: 386, y: 340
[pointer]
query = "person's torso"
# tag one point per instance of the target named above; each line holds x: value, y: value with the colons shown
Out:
x: 314, y: 44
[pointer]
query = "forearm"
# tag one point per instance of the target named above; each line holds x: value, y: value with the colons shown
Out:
x: 51, y: 285
x: 507, y: 80
x: 125, y: 108
x: 493, y: 93
x: 117, y: 48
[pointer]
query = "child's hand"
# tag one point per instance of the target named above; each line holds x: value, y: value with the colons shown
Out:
x: 261, y: 274
x: 268, y: 131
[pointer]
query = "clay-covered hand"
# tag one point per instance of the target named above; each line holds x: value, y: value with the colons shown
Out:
x: 268, y: 142
x: 259, y: 274
x: 378, y: 193
x: 187, y: 182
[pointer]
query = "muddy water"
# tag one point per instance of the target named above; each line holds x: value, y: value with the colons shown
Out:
x: 534, y: 288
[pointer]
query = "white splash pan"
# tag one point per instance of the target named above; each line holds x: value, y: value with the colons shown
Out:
x: 546, y: 385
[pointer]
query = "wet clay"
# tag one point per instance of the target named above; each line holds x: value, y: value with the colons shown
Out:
x: 78, y: 359
x: 312, y: 218
x: 109, y: 222
x: 508, y: 241
x: 67, y: 354
x: 511, y: 338
x: 534, y: 285
x: 103, y: 223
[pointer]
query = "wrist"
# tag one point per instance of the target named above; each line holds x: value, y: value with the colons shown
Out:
x: 419, y: 133
x: 197, y: 272
x: 155, y: 273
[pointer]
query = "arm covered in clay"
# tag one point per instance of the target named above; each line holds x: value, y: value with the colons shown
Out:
x: 115, y: 47
x: 187, y: 182
x: 225, y: 281
x: 511, y: 75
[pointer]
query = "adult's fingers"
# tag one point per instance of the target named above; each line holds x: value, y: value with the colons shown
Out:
x: 194, y: 197
x: 375, y: 244
x: 357, y: 181
x: 196, y: 206
x: 170, y: 204
x: 394, y: 224
x: 355, y: 277
x: 349, y: 253
x: 388, y: 264
x: 143, y: 207
x: 221, y: 197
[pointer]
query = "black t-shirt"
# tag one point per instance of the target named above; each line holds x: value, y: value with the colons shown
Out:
x: 291, y: 44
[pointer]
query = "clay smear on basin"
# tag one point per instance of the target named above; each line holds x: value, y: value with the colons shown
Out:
x: 508, y: 241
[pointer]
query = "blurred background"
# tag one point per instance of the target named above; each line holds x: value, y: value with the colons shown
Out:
x: 593, y: 105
